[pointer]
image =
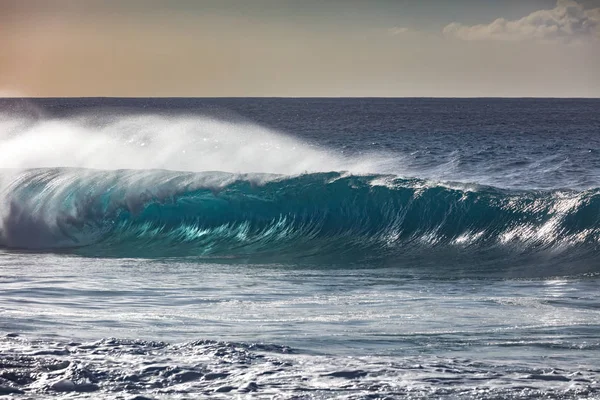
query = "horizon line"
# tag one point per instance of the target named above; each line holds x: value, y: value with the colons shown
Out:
x: 297, y: 97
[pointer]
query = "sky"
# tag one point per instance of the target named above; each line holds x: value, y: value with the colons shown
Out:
x: 300, y: 48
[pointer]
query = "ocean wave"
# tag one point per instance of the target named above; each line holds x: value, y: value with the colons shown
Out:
x: 336, y: 215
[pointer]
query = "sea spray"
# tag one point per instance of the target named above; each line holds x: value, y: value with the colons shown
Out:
x: 176, y: 142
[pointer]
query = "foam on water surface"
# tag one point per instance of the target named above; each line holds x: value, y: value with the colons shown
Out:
x: 158, y: 370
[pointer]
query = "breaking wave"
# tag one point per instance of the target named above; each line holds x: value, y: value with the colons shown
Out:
x: 157, y: 213
x: 177, y: 186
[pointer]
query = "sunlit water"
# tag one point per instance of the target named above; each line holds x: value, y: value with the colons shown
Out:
x: 382, y: 286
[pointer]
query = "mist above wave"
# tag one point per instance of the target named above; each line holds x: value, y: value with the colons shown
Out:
x: 182, y: 143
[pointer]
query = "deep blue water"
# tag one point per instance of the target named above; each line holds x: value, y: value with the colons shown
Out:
x: 300, y: 248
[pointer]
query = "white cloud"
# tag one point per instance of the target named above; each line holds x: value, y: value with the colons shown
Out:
x: 398, y: 30
x: 568, y: 21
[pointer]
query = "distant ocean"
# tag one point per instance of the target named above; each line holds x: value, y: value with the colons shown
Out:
x: 300, y: 248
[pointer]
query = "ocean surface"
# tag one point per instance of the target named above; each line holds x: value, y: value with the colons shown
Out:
x: 300, y: 248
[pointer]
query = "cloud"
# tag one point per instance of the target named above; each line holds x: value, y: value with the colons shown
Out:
x: 567, y: 22
x: 398, y: 30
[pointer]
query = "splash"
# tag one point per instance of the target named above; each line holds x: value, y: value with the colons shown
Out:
x: 181, y: 143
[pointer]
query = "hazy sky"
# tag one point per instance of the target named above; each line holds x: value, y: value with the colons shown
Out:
x: 54, y: 48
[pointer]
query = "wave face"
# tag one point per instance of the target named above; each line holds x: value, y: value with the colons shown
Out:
x: 331, y: 216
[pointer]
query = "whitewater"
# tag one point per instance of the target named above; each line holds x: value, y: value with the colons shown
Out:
x: 290, y: 248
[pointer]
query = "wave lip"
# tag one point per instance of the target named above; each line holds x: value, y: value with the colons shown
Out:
x: 150, y: 213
